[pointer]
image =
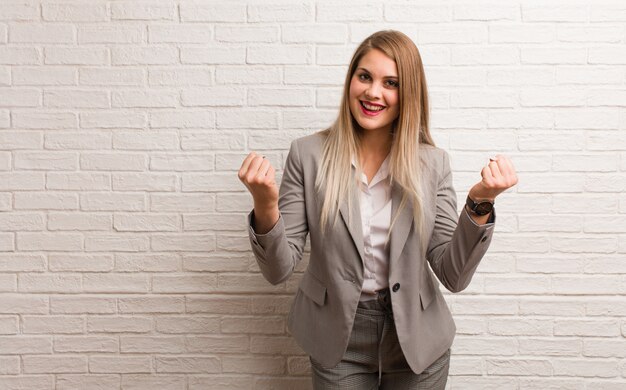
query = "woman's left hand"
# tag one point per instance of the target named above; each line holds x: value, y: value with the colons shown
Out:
x: 498, y: 176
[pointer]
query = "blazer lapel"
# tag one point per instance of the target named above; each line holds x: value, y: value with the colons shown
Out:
x: 402, y: 227
x: 353, y: 224
x: 399, y: 233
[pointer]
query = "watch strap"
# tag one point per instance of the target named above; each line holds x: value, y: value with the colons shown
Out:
x: 482, y: 207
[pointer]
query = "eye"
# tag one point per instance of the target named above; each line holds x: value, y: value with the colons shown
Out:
x: 393, y: 83
x: 364, y: 77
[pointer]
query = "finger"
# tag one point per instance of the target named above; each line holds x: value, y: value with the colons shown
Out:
x: 495, y: 170
x: 263, y: 168
x: 509, y: 172
x: 246, y: 165
x: 504, y: 164
x: 506, y: 167
x: 501, y: 165
x: 253, y: 169
x: 487, y: 176
x: 271, y: 176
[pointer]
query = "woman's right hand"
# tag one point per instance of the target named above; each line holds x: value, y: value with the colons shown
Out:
x: 258, y: 175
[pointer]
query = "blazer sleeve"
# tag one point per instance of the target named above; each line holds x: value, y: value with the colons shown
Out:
x: 278, y: 251
x: 458, y: 243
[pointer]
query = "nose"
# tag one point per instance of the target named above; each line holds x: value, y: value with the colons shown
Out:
x: 373, y: 92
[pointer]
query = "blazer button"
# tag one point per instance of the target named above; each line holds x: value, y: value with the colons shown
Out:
x: 396, y: 287
x: 484, y: 239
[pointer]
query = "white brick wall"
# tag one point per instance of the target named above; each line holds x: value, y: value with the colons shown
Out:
x: 124, y: 262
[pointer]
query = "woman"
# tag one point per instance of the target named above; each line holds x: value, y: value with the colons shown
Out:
x: 376, y: 197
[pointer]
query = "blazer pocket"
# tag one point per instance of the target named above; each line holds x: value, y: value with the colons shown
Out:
x: 313, y: 288
x: 426, y: 296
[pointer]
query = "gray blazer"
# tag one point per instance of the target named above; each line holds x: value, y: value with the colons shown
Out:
x: 323, y: 310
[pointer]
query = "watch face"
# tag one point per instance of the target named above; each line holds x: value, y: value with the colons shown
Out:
x: 483, y: 208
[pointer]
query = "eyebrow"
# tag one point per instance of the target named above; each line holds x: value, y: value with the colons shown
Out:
x: 386, y: 77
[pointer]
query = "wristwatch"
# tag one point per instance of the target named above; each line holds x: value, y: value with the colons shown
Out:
x: 483, y: 207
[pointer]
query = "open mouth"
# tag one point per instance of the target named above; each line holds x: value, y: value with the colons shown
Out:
x: 371, y: 109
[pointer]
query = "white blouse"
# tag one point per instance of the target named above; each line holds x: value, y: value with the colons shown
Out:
x: 375, y: 204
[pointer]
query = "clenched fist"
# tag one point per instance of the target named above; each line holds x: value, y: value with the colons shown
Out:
x: 498, y: 176
x: 258, y: 175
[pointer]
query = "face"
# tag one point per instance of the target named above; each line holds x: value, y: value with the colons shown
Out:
x: 374, y: 97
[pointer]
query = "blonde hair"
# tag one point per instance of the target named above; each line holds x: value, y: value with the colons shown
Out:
x: 335, y: 181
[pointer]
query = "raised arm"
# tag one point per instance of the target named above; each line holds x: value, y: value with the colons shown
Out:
x: 458, y: 243
x: 277, y: 226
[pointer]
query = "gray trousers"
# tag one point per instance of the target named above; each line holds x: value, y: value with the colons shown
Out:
x: 374, y: 358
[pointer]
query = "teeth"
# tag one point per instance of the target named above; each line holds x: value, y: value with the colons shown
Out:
x: 372, y: 108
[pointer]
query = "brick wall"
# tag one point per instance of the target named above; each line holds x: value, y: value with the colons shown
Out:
x: 124, y: 260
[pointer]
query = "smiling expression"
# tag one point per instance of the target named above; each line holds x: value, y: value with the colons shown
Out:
x: 374, y: 97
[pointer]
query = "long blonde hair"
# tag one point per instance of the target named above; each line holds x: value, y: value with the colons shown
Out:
x: 409, y: 131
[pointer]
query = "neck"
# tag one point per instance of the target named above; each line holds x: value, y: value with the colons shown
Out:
x: 375, y: 142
